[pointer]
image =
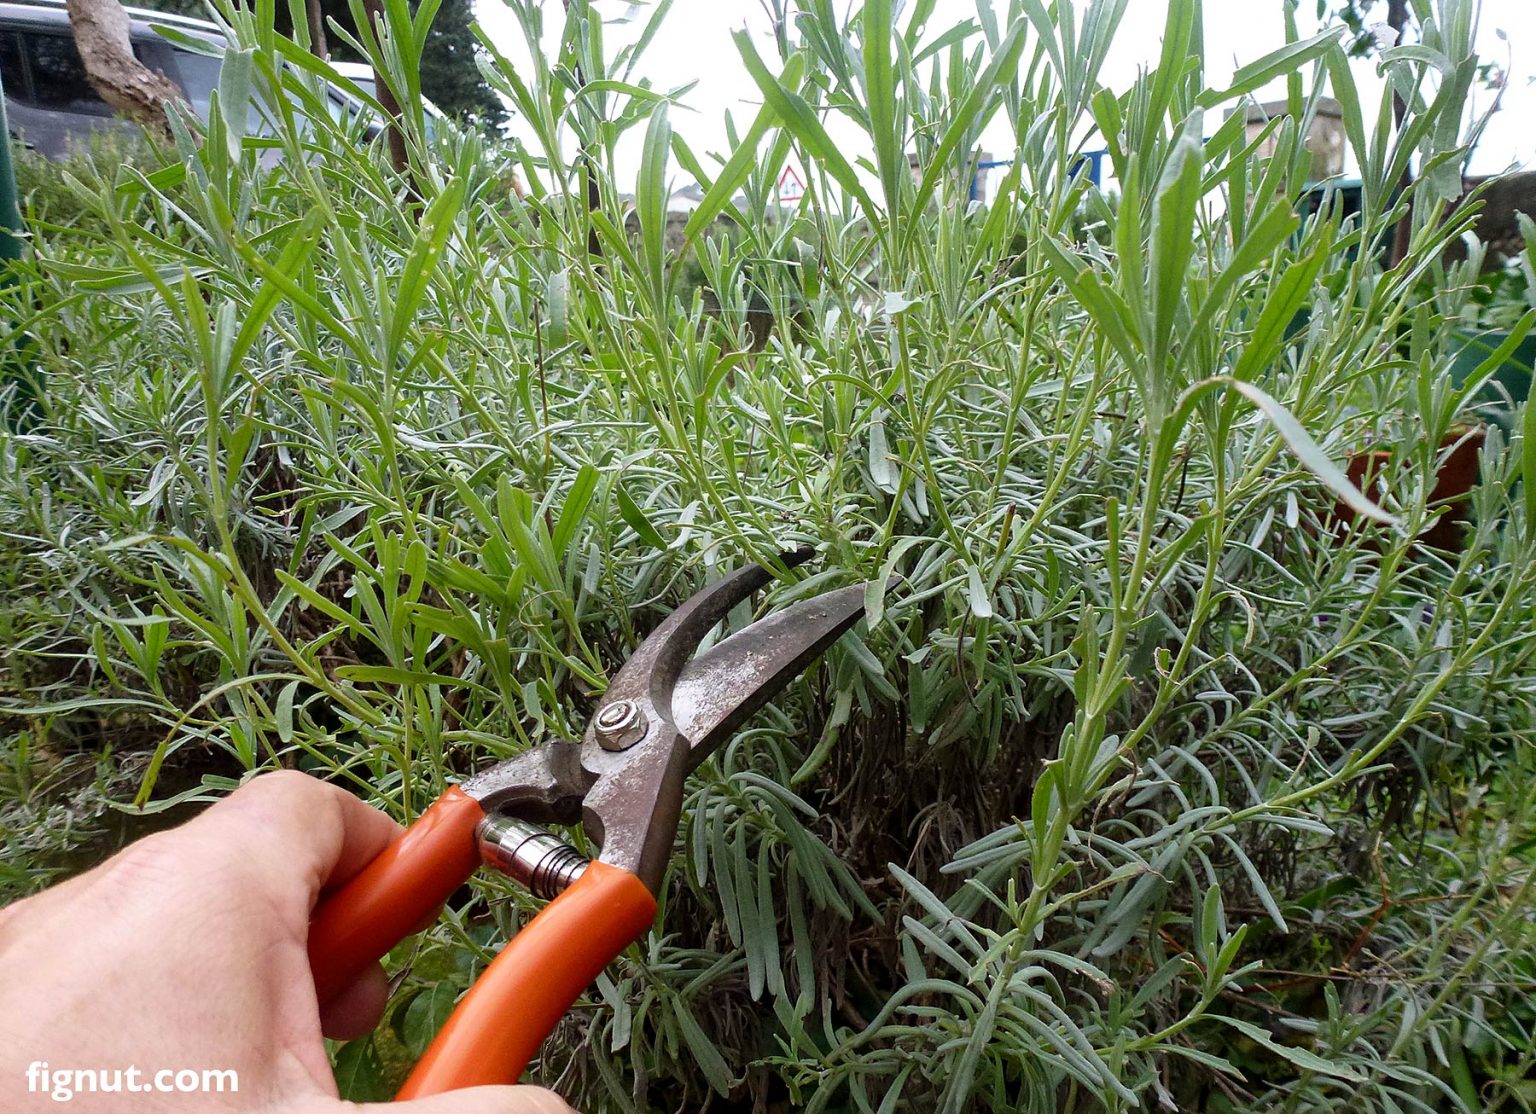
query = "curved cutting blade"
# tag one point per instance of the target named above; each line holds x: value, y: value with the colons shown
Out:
x: 720, y: 688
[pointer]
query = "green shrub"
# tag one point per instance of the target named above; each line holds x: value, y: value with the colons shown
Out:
x: 49, y: 190
x: 1156, y: 789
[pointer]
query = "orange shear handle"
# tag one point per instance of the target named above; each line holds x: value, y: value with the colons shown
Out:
x: 498, y: 1026
x: 396, y: 894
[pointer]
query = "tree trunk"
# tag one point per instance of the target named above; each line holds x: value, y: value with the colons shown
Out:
x: 394, y: 133
x: 101, y: 36
x: 316, y: 18
x: 1397, y: 19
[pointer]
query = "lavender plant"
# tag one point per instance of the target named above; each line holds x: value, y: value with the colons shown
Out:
x: 1153, y: 790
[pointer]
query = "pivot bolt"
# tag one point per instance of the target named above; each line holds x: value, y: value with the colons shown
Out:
x: 620, y: 725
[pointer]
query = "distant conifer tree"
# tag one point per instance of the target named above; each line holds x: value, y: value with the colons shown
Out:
x: 449, y: 77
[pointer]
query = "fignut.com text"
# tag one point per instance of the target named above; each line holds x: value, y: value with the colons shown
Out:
x: 63, y: 1084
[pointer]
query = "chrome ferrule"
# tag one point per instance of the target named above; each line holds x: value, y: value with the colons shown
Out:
x: 529, y: 854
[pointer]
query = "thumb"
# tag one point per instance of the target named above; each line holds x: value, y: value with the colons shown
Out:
x: 479, y: 1100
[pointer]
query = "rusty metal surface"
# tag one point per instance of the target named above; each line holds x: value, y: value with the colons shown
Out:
x: 545, y: 784
x: 648, y: 677
x: 718, y: 690
x: 663, y: 714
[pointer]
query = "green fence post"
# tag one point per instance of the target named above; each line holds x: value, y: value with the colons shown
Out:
x: 10, y: 211
x: 16, y: 368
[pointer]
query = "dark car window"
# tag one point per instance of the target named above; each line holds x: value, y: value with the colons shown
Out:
x: 58, y: 76
x: 199, y: 77
x: 12, y: 73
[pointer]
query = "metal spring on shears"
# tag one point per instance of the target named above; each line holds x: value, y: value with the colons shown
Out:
x: 529, y: 854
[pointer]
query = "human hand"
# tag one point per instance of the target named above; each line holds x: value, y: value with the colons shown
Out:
x: 187, y: 952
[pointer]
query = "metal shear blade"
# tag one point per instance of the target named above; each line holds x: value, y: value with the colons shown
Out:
x: 664, y: 713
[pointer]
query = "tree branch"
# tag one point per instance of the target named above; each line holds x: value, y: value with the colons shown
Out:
x: 120, y: 79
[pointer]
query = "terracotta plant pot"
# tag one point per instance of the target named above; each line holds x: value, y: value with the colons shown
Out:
x: 1453, y: 485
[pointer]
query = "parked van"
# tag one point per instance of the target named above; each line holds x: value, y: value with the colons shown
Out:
x: 50, y: 105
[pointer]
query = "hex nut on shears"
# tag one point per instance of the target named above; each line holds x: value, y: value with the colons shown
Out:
x: 620, y: 725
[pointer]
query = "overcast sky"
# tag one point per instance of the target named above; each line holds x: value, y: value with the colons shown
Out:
x: 695, y: 44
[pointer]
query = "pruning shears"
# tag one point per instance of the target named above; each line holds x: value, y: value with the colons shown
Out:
x: 667, y: 709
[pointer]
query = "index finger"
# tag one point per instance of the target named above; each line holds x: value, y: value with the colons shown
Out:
x: 302, y: 836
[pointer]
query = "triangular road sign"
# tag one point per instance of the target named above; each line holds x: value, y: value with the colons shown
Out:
x: 791, y: 188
